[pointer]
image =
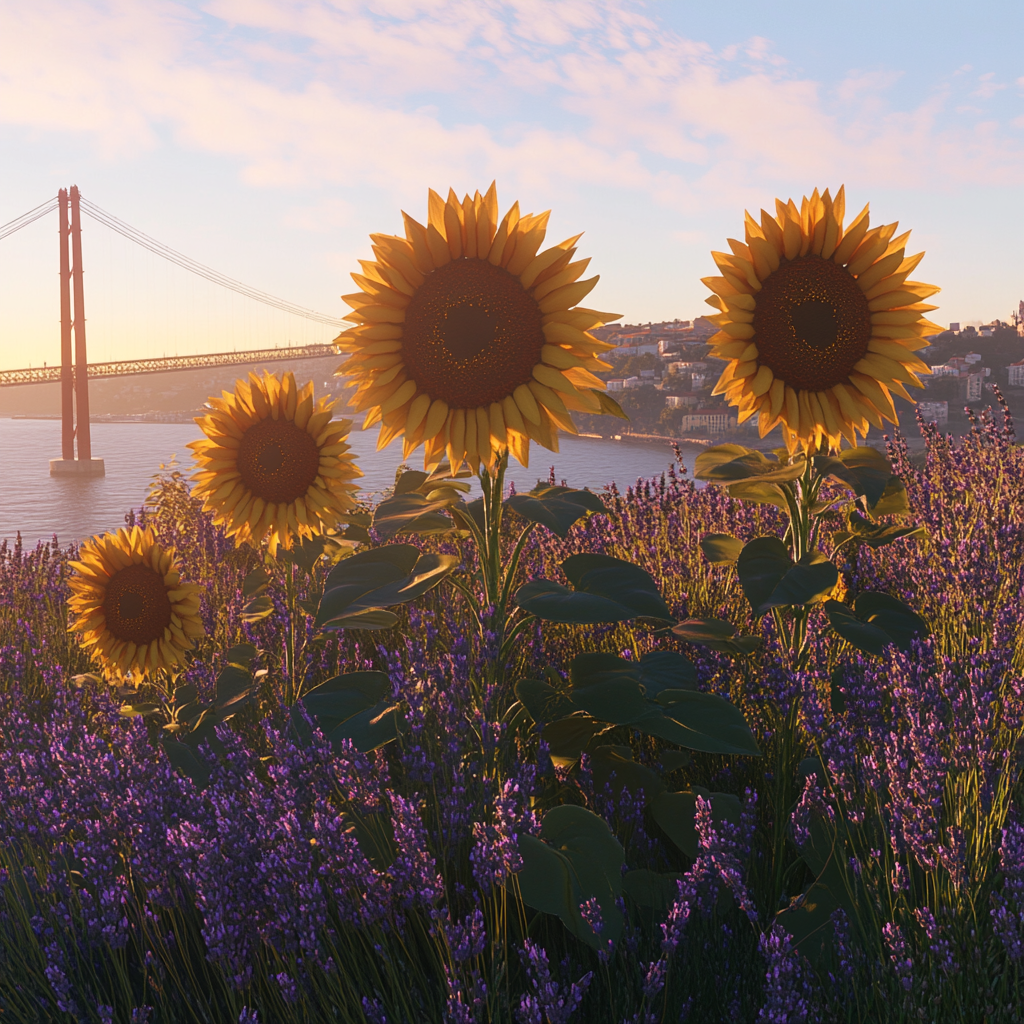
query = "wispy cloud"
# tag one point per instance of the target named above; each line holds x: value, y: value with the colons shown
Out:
x: 559, y: 92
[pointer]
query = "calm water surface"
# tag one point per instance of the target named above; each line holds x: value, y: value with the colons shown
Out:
x: 39, y: 506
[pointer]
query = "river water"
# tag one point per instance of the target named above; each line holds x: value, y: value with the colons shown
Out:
x: 38, y: 506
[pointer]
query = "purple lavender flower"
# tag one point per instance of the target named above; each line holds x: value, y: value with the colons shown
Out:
x: 786, y: 980
x: 373, y: 1011
x: 899, y: 956
x: 550, y: 1002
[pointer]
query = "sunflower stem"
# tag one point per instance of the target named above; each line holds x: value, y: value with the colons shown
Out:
x: 289, y: 686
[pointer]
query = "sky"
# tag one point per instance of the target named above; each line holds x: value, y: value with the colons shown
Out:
x: 268, y: 138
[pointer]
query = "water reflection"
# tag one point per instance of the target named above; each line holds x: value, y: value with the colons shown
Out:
x: 40, y: 505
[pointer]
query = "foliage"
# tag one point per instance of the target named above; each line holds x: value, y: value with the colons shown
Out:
x: 540, y: 820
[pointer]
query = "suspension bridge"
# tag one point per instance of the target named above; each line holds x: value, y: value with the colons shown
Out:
x: 75, y: 371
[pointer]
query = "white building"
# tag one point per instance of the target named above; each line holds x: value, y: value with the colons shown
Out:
x: 686, y: 367
x: 935, y: 412
x: 1016, y: 371
x: 615, y: 385
x: 632, y: 382
x: 973, y: 386
x: 697, y: 381
x: 650, y: 348
x: 711, y: 421
x: 680, y: 401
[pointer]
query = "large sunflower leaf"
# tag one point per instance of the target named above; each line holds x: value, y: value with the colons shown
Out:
x: 543, y: 702
x: 549, y: 600
x: 676, y: 813
x: 876, y: 535
x: 427, y: 573
x: 259, y: 608
x: 255, y: 582
x: 893, y: 502
x: 613, y: 766
x: 615, y: 699
x: 377, y: 579
x: 808, y: 582
x: 364, y: 618
x: 370, y: 728
x: 899, y: 621
x: 652, y: 889
x: 606, y: 590
x: 569, y: 737
x: 721, y: 548
x: 762, y: 565
x: 709, y: 722
x: 759, y: 494
x: 617, y: 580
x: 719, y: 455
x: 716, y: 634
x: 374, y: 568
x: 662, y: 670
x: 183, y: 759
x: 557, y: 508
x: 865, y: 471
x: 745, y: 464
x: 411, y: 512
x: 655, y: 671
x: 864, y: 636
x: 575, y: 858
x: 233, y: 690
x: 410, y: 480
x: 875, y: 621
x: 771, y: 579
x: 337, y: 700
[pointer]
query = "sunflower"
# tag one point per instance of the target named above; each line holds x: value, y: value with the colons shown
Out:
x: 274, y: 464
x: 818, y: 322
x: 135, y: 613
x: 468, y: 339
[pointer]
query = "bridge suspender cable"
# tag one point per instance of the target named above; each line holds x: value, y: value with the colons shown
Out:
x: 28, y: 218
x: 115, y: 224
x: 134, y: 235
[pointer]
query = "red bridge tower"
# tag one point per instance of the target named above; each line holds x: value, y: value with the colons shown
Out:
x: 74, y: 378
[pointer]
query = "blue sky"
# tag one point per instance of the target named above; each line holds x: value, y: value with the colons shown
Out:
x: 267, y: 138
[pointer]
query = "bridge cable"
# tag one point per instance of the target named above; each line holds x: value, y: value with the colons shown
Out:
x: 134, y: 235
x: 28, y: 218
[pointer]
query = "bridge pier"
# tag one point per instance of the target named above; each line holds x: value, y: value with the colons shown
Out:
x: 74, y: 378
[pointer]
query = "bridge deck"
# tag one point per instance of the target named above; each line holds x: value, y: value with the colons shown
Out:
x: 131, y: 367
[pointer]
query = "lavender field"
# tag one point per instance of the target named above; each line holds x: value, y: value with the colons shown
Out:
x: 214, y: 854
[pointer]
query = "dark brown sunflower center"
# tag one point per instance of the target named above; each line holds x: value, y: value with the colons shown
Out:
x: 277, y: 460
x: 812, y: 323
x: 472, y: 334
x: 137, y: 607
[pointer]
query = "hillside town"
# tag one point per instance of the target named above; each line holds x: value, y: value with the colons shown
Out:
x: 663, y: 376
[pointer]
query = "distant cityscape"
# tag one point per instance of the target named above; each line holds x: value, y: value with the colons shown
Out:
x: 661, y: 374
x: 670, y: 375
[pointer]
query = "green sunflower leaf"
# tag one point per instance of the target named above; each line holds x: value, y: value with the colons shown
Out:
x: 557, y: 508
x: 733, y: 464
x: 574, y: 859
x: 875, y: 621
x: 377, y: 579
x: 716, y: 634
x: 721, y: 548
x: 676, y: 814
x: 606, y: 590
x: 865, y: 471
x: 876, y: 535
